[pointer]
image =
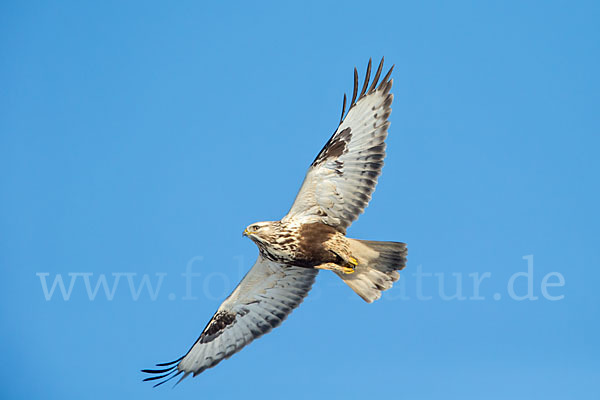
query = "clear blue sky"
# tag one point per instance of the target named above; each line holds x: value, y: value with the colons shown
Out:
x: 142, y: 137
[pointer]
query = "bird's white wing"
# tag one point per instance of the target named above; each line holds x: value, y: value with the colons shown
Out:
x: 340, y: 181
x: 262, y: 300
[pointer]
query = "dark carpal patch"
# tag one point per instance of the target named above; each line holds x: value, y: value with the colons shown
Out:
x: 335, y: 147
x: 218, y: 323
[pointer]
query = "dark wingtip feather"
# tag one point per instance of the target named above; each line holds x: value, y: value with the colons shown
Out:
x: 386, y: 77
x: 168, y: 379
x: 153, y: 378
x: 157, y: 371
x: 355, y: 90
x: 170, y: 363
x: 377, y: 75
x: 163, y: 373
x: 343, y: 109
x: 182, y: 378
x: 384, y: 84
x: 367, y: 78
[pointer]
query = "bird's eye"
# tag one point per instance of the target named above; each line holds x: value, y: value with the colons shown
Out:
x: 255, y: 228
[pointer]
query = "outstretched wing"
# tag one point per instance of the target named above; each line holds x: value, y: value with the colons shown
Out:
x: 340, y: 181
x: 262, y: 300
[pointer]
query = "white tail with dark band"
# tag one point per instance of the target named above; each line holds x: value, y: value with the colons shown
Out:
x: 378, y: 266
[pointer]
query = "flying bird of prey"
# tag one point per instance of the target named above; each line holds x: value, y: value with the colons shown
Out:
x: 311, y: 237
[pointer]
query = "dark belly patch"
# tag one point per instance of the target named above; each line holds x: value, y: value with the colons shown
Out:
x: 311, y: 249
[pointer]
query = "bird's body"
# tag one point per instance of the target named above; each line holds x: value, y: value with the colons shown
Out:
x: 302, y: 245
x: 311, y: 237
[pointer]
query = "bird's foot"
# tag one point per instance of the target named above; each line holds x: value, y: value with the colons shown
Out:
x: 336, y: 268
x: 348, y: 270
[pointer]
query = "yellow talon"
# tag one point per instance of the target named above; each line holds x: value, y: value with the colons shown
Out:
x: 353, y: 261
x: 348, y: 270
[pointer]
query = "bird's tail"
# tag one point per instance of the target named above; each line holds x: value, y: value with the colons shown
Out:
x: 378, y: 266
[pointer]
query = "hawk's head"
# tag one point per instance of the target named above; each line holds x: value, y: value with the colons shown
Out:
x: 273, y: 239
x: 263, y: 232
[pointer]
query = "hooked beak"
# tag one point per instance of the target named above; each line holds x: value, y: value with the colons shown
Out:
x: 245, y: 233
